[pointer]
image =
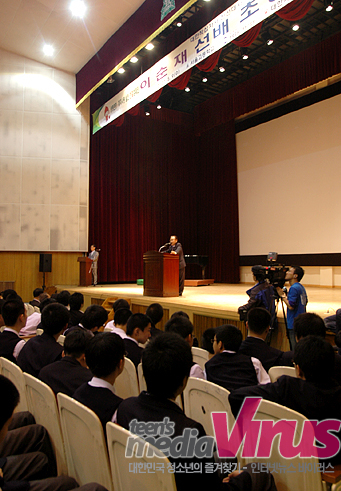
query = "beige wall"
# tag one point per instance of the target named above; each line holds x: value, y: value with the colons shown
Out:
x: 289, y: 174
x: 44, y: 159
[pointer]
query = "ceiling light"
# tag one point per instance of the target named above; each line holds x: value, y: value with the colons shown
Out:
x: 134, y: 59
x: 245, y: 57
x: 187, y: 89
x: 147, y: 110
x: 110, y: 80
x: 207, y: 0
x: 295, y: 27
x: 121, y: 70
x: 150, y: 46
x: 329, y: 5
x: 204, y: 79
x: 48, y: 50
x: 158, y: 106
x: 78, y: 8
x: 269, y: 42
x: 178, y: 24
x: 222, y: 69
x: 244, y: 54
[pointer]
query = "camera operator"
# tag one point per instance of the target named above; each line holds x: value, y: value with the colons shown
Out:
x: 296, y: 300
x: 261, y: 294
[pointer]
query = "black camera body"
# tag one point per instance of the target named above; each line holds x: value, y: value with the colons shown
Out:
x: 274, y: 273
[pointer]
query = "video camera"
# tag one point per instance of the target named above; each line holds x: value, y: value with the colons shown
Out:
x: 274, y: 273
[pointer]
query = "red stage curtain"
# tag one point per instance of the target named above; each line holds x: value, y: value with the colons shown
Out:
x: 210, y: 62
x: 295, y: 10
x: 118, y: 121
x: 154, y: 97
x: 249, y: 36
x: 181, y: 81
x: 134, y: 111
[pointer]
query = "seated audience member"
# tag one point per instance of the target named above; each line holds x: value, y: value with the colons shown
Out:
x: 63, y: 297
x: 120, y: 322
x: 228, y: 367
x: 260, y: 295
x: 2, y: 322
x: 155, y: 314
x: 76, y: 301
x: 47, y: 301
x: 180, y: 313
x: 120, y: 303
x: 32, y: 321
x: 33, y: 465
x: 9, y: 293
x: 207, y: 341
x: 138, y: 331
x: 14, y: 316
x: 314, y: 393
x: 36, y: 297
x: 166, y: 363
x: 104, y: 355
x: 258, y: 325
x: 93, y: 319
x: 184, y: 327
x: 69, y: 373
x: 43, y: 350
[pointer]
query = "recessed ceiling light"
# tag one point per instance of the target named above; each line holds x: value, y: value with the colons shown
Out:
x: 295, y: 27
x: 48, y: 50
x: 158, y: 106
x: 121, y: 70
x: 134, y: 59
x: 245, y: 56
x: 187, y: 89
x: 78, y: 8
x: 204, y: 79
x: 222, y: 69
x: 150, y: 46
x: 179, y: 24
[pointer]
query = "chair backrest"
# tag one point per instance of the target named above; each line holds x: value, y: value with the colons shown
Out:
x: 276, y: 372
x: 42, y: 404
x: 39, y: 331
x: 107, y: 329
x: 61, y: 339
x: 299, y: 474
x: 126, y: 384
x: 200, y: 356
x: 15, y: 374
x: 85, y: 445
x: 132, y: 473
x: 141, y: 379
x: 201, y: 398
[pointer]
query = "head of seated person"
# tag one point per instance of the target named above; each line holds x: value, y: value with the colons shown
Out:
x: 54, y: 319
x: 138, y: 328
x: 258, y: 322
x: 121, y: 318
x: 314, y: 360
x: 94, y: 318
x: 227, y: 338
x: 207, y: 340
x: 104, y: 356
x: 14, y: 313
x: 9, y: 401
x: 120, y: 303
x: 63, y: 297
x: 309, y: 323
x: 181, y: 325
x: 76, y: 301
x: 180, y: 313
x: 155, y: 313
x: 166, y: 363
x: 75, y: 344
x: 9, y: 293
x: 37, y: 292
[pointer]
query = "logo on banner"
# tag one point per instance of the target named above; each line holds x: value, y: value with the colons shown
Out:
x: 168, y: 6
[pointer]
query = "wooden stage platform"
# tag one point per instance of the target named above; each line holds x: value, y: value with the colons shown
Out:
x: 208, y: 306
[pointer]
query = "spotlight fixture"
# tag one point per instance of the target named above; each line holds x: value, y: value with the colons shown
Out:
x: 158, y: 106
x: 150, y: 46
x: 110, y: 80
x: 187, y: 89
x: 295, y: 27
x: 329, y: 5
x: 179, y: 24
x: 147, y: 110
x: 121, y: 70
x: 207, y: 0
x: 222, y: 69
x: 134, y: 59
x: 78, y: 8
x: 244, y: 54
x: 204, y: 79
x: 48, y: 50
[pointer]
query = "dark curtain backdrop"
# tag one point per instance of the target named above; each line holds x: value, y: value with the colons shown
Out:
x: 152, y: 178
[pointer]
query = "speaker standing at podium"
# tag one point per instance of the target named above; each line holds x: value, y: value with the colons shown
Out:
x: 94, y: 255
x: 176, y: 248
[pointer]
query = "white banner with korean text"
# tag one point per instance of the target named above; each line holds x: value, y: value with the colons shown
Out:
x: 227, y: 26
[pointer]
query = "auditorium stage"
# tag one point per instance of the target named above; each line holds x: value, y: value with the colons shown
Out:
x: 208, y: 305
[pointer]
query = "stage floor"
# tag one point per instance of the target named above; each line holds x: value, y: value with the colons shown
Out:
x: 215, y: 299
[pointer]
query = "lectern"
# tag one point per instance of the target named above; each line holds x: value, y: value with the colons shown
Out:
x: 160, y: 274
x: 85, y: 277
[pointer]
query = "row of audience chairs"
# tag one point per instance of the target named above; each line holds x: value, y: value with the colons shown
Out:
x: 80, y: 447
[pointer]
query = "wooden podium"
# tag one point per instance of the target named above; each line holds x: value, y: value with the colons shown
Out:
x: 85, y: 278
x: 160, y: 274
